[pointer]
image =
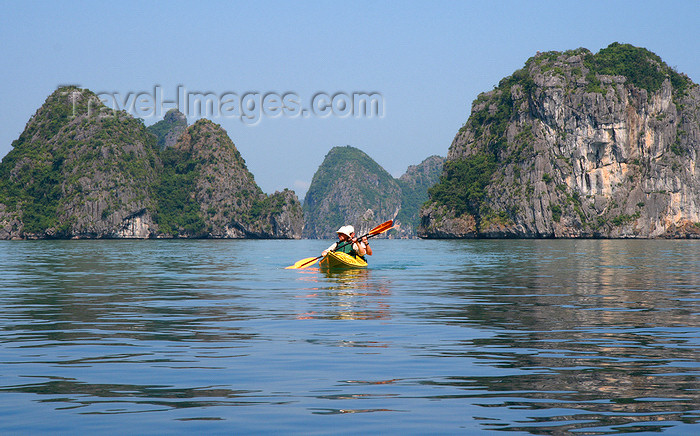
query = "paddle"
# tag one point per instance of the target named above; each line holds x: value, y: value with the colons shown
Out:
x: 381, y: 228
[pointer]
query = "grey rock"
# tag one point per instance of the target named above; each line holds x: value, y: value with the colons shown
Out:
x: 584, y: 160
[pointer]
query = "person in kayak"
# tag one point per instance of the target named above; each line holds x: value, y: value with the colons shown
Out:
x: 346, y: 243
x: 363, y: 243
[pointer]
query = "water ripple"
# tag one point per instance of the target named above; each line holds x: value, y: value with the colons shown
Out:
x: 538, y: 337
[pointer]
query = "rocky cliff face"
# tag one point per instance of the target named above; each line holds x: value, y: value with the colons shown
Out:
x: 78, y: 171
x: 168, y: 130
x: 351, y: 188
x: 414, y: 184
x: 81, y: 170
x: 576, y: 145
x: 205, y: 176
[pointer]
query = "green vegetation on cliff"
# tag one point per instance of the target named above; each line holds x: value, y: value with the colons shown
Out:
x: 462, y: 185
x: 177, y: 211
x: 642, y: 68
x: 414, y: 190
x: 205, y: 190
x: 82, y: 170
x: 30, y: 174
x: 337, y: 164
x: 169, y: 128
x: 70, y: 159
x: 574, y: 144
x: 349, y: 187
x: 346, y: 185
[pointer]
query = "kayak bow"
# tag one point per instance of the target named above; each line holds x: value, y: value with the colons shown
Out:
x: 337, y: 259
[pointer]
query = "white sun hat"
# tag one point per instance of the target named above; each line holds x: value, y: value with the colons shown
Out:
x: 346, y: 230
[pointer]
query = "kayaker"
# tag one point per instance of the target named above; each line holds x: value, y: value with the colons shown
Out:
x: 363, y: 243
x: 345, y: 243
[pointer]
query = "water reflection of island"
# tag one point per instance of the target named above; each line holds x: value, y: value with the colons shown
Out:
x: 592, y: 332
x: 89, y: 284
x: 347, y: 294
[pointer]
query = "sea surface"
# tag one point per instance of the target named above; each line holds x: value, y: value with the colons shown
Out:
x: 547, y: 337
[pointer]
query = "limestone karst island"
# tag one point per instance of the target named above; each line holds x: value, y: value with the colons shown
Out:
x: 572, y: 145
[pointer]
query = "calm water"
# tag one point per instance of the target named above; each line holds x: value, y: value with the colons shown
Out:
x: 538, y: 337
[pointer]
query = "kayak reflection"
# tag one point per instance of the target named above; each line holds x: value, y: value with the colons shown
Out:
x: 347, y: 294
x: 348, y: 277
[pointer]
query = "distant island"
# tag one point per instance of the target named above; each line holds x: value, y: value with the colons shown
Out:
x: 573, y: 145
x: 99, y: 173
x: 76, y: 173
x: 350, y: 187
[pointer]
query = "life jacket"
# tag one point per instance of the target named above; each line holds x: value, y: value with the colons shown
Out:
x: 347, y: 249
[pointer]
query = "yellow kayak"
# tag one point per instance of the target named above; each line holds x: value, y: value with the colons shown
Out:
x: 335, y: 259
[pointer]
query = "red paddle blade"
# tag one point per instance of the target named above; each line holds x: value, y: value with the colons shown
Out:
x: 381, y: 228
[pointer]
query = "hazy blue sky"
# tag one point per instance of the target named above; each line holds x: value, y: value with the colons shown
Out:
x: 428, y: 60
